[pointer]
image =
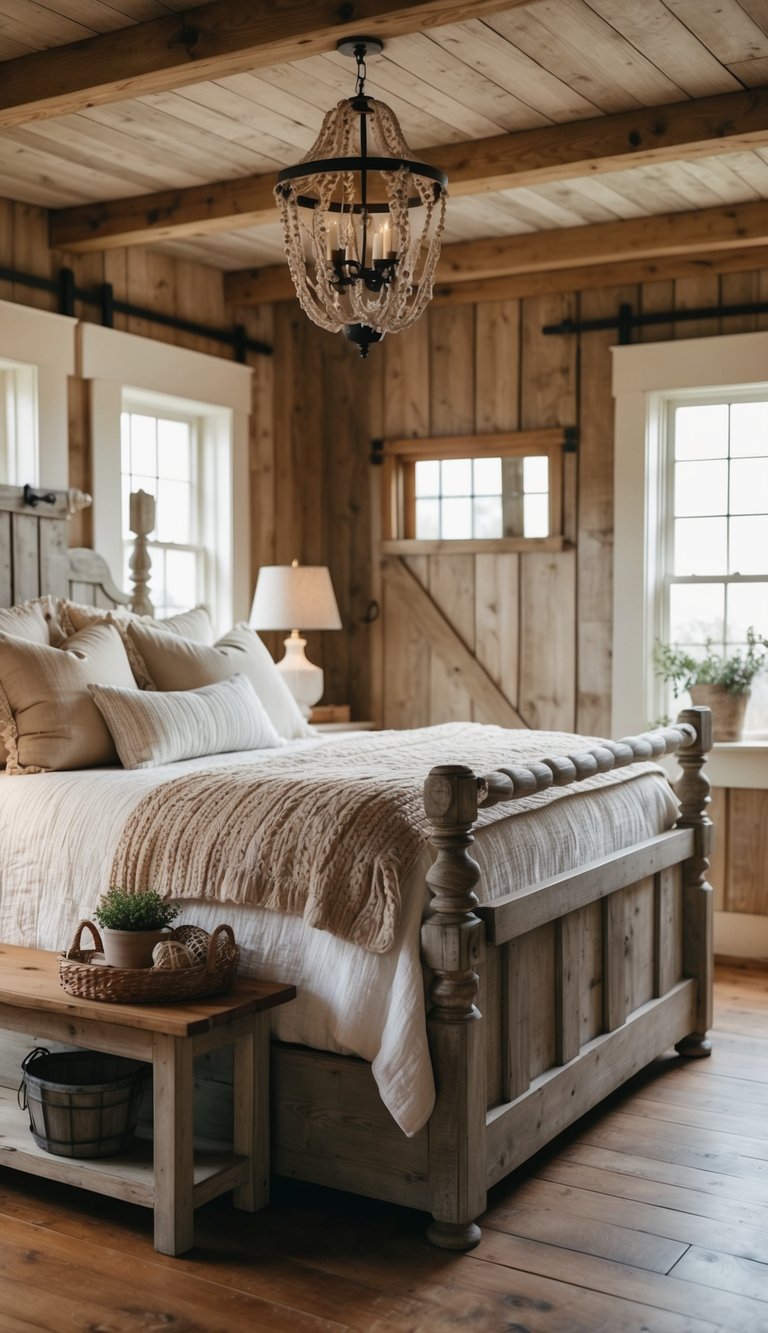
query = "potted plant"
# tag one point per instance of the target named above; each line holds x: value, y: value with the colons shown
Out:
x: 132, y: 924
x: 720, y: 682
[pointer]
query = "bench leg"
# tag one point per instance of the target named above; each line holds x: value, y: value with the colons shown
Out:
x: 251, y: 1110
x: 173, y: 1097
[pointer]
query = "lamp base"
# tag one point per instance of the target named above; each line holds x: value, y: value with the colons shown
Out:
x: 303, y: 678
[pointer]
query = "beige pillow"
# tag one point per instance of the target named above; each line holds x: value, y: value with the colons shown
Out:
x: 156, y: 728
x: 194, y: 624
x: 180, y: 664
x: 29, y: 620
x: 48, y: 719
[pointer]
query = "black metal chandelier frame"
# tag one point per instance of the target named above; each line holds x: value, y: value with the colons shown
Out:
x: 380, y: 271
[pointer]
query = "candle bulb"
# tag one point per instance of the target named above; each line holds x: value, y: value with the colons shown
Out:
x: 332, y: 239
x: 378, y: 246
x: 386, y: 240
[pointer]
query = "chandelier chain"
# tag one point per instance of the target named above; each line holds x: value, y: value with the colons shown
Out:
x: 362, y: 72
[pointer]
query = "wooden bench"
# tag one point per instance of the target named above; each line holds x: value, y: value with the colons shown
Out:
x: 168, y: 1175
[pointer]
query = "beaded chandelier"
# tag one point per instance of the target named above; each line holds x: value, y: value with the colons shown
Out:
x: 362, y: 221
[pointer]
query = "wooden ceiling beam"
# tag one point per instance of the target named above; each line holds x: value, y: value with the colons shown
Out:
x: 727, y: 227
x: 221, y: 38
x: 727, y: 123
x: 266, y: 285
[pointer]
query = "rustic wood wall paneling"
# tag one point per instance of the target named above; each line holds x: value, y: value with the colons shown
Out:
x: 690, y: 294
x: 747, y: 852
x: 547, y: 694
x: 452, y: 577
x: 405, y: 411
x: 595, y: 514
x: 656, y: 296
x: 260, y: 323
x: 352, y: 395
x: 31, y: 254
x: 718, y: 813
x: 497, y: 408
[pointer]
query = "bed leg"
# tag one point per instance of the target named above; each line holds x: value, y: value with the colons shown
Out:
x: 453, y: 943
x: 454, y: 1236
x: 698, y: 942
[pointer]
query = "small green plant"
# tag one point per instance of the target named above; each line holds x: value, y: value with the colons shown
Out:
x: 119, y: 909
x: 734, y: 673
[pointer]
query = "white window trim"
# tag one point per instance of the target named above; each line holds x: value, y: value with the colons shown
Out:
x: 644, y: 379
x: 175, y: 378
x: 41, y: 345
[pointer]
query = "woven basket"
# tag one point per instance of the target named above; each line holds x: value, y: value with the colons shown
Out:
x: 147, y: 985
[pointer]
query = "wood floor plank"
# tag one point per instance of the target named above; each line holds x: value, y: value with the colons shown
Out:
x: 697, y: 1136
x: 726, y: 1272
x: 657, y: 1167
x: 656, y: 1219
x: 735, y: 1311
x: 685, y: 1114
x: 607, y: 1240
x: 620, y: 1138
x: 628, y: 1185
x: 65, y: 1271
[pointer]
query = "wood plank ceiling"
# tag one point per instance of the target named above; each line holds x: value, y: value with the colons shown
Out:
x: 501, y: 70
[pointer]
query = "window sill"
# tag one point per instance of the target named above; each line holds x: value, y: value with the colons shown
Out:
x: 739, y: 764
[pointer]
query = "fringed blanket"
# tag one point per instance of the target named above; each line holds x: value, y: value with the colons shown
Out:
x: 328, y: 833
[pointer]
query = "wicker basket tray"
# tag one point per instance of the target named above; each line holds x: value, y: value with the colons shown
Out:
x: 80, y: 976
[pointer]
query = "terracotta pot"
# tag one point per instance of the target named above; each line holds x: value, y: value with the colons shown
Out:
x: 727, y: 710
x: 130, y: 948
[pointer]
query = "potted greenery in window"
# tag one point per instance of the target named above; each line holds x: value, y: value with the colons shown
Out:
x: 132, y: 924
x: 722, y: 683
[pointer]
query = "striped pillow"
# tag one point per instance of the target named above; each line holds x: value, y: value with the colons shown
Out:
x: 150, y: 728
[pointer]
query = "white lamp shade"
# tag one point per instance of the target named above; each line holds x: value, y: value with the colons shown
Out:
x: 294, y: 597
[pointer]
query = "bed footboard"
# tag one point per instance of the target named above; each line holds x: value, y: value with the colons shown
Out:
x: 503, y: 1088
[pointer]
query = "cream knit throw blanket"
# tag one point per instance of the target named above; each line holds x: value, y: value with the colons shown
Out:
x: 327, y: 833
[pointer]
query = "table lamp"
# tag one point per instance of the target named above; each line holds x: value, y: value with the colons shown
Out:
x: 296, y: 597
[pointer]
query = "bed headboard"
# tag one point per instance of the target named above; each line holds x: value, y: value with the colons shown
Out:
x: 34, y: 553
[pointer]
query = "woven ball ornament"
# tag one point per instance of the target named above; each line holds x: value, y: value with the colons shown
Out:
x: 195, y: 941
x: 171, y: 954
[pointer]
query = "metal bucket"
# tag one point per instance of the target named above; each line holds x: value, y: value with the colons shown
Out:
x: 82, y: 1103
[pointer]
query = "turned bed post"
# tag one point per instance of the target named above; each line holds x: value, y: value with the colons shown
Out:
x: 698, y: 947
x: 453, y: 944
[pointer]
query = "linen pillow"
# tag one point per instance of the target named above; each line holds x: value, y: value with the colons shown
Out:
x: 179, y: 664
x: 151, y: 729
x: 47, y: 717
x: 194, y: 624
x: 31, y: 621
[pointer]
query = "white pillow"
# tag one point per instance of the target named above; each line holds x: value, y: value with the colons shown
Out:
x: 150, y: 728
x: 173, y: 663
x: 194, y: 624
x: 48, y: 718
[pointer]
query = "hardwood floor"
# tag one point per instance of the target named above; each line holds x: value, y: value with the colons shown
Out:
x: 652, y: 1214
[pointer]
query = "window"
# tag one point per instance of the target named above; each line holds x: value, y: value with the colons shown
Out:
x: 37, y: 354
x: 174, y: 423
x: 505, y: 489
x: 691, y: 513
x: 715, y: 537
x: 161, y: 455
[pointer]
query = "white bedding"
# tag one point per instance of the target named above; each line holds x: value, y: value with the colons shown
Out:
x: 58, y: 832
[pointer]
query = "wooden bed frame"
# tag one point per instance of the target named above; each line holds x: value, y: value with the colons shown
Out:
x: 541, y: 1003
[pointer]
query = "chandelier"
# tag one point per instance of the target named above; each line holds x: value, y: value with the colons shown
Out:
x: 362, y: 220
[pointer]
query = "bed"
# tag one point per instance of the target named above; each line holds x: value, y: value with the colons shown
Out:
x: 520, y: 982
